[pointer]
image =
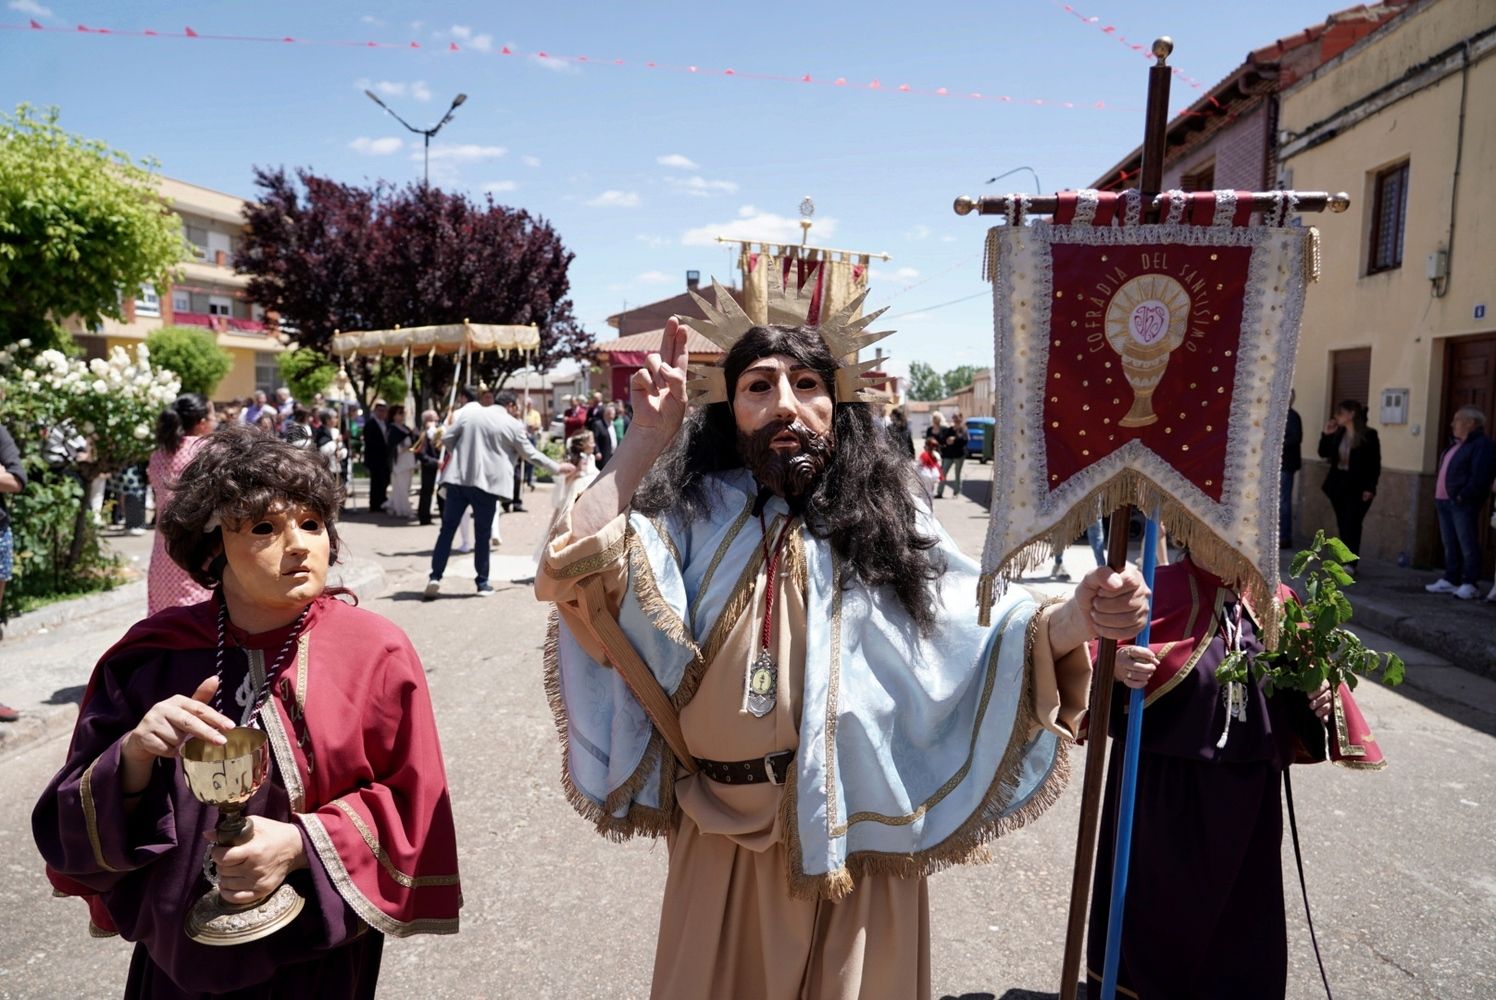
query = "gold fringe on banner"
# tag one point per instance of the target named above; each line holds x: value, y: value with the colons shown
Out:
x: 1311, y: 255
x: 989, y: 256
x: 1132, y: 488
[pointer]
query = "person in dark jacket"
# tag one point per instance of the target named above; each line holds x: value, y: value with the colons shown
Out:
x: 430, y: 459
x: 1466, y: 470
x: 952, y: 456
x: 1355, y: 456
x: 898, y: 433
x: 1293, y: 460
x: 377, y: 456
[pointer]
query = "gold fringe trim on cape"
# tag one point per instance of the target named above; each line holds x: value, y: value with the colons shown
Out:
x: 968, y: 844
x: 651, y: 601
x: 1130, y: 487
x: 639, y: 820
x: 989, y: 254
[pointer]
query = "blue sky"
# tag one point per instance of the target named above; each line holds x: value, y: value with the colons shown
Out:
x: 639, y: 167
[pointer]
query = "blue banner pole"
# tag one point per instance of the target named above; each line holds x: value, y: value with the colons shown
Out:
x: 1128, y: 792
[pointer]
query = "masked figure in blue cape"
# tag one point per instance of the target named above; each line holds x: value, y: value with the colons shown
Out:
x: 851, y: 726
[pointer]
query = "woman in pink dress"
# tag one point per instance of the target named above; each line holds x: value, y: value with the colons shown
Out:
x: 180, y: 430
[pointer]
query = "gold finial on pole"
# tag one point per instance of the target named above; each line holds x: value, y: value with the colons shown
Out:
x: 1163, y: 46
x: 965, y: 205
x: 1338, y: 202
x: 807, y: 209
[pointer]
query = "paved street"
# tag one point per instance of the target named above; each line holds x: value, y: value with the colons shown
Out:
x: 1399, y: 862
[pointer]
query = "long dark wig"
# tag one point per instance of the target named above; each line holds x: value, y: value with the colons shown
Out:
x: 864, y: 503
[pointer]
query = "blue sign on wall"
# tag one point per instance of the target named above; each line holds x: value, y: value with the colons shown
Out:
x: 1480, y: 311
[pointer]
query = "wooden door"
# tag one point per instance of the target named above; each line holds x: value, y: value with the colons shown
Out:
x: 1470, y: 380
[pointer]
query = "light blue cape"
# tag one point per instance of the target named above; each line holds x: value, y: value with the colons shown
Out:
x: 914, y: 750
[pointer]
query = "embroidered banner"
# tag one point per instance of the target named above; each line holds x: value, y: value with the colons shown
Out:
x: 1147, y: 365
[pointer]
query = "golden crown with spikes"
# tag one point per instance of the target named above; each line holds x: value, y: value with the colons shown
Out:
x: 842, y: 330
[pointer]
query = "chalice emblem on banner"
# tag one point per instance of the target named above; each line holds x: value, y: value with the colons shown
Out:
x: 1146, y: 319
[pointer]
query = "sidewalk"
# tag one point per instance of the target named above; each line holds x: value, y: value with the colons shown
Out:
x: 1391, y: 600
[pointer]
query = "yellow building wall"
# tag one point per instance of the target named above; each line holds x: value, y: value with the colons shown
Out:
x: 1395, y: 313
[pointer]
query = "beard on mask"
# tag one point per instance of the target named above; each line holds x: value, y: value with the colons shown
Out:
x: 788, y: 475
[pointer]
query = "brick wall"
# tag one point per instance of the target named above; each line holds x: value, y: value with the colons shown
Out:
x: 1238, y: 150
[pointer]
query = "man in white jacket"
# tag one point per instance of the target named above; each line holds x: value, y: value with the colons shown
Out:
x: 483, y: 445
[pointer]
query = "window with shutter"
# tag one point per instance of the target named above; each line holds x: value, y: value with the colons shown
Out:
x: 1350, y: 376
x: 1389, y: 206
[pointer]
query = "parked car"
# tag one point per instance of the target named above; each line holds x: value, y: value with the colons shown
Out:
x: 977, y: 429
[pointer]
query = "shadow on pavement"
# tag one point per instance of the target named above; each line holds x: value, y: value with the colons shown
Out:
x: 66, y: 696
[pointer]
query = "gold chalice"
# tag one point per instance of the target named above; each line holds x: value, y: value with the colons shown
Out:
x: 228, y: 776
x: 1146, y: 321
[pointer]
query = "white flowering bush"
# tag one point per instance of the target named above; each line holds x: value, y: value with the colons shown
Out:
x: 111, y: 404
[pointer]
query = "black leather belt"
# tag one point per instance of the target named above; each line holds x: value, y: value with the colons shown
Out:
x: 771, y: 767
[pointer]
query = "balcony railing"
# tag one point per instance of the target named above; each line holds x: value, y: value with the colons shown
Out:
x: 221, y: 324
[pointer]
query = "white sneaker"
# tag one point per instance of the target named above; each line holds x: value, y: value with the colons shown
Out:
x: 1467, y: 592
x: 1441, y: 586
x: 433, y: 587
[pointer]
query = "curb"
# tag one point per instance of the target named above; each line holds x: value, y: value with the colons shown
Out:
x: 365, y: 577
x: 1472, y: 650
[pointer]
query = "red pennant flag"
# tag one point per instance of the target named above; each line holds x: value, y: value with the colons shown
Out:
x: 452, y: 47
x: 541, y: 55
x: 150, y: 31
x: 505, y: 51
x: 288, y: 38
x: 806, y: 78
x: 875, y: 85
x: 35, y: 26
x: 189, y: 32
x: 729, y: 72
x: 841, y: 81
x: 415, y: 45
x: 82, y: 28
x: 941, y: 91
x: 904, y: 87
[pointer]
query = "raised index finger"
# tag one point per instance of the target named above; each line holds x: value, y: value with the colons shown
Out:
x: 674, y: 348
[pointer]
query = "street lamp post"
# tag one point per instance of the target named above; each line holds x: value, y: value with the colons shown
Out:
x: 426, y: 132
x: 1038, y: 189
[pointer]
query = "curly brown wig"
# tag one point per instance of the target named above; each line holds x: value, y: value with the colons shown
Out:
x: 238, y: 475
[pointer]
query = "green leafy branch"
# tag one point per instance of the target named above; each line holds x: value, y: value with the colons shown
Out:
x: 1316, y: 646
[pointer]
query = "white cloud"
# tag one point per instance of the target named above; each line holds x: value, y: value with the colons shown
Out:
x: 654, y: 278
x: 920, y: 232
x: 754, y: 225
x: 473, y: 40
x: 463, y: 152
x: 530, y: 161
x: 902, y: 274
x: 556, y: 65
x: 701, y: 187
x: 377, y: 147
x: 615, y: 199
x: 676, y: 161
x: 650, y: 240
x: 498, y: 187
x: 367, y: 19
x: 30, y: 7
x: 947, y: 238
x: 396, y: 88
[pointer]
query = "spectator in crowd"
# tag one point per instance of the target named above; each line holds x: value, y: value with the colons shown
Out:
x: 429, y: 456
x: 130, y: 487
x: 297, y: 428
x: 181, y: 430
x: 533, y: 425
x: 1466, y: 470
x: 265, y: 422
x: 594, y: 409
x: 621, y: 420
x: 402, y: 462
x: 328, y: 437
x: 12, y: 480
x: 1355, y: 456
x: 898, y: 433
x: 952, y: 455
x: 232, y: 413
x: 575, y: 417
x: 377, y: 456
x: 483, y: 446
x: 284, y: 405
x: 1293, y: 442
x: 928, y: 466
x: 601, y: 426
x: 253, y: 407
x: 937, y: 424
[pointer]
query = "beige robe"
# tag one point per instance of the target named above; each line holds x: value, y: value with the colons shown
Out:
x: 729, y: 927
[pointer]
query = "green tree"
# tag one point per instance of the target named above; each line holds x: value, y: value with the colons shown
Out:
x: 79, y: 222
x: 958, y: 378
x: 307, y: 372
x: 925, y: 383
x: 193, y: 354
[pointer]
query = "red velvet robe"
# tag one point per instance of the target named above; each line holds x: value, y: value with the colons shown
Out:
x: 367, y: 789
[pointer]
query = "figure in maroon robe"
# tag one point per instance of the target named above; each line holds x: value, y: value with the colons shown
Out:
x: 357, y: 770
x: 1204, y: 914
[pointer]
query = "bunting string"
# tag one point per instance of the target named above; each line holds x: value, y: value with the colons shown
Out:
x: 1144, y: 49
x: 508, y: 52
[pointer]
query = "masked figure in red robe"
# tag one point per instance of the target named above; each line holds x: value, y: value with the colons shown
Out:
x: 355, y: 815
x: 1204, y: 914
